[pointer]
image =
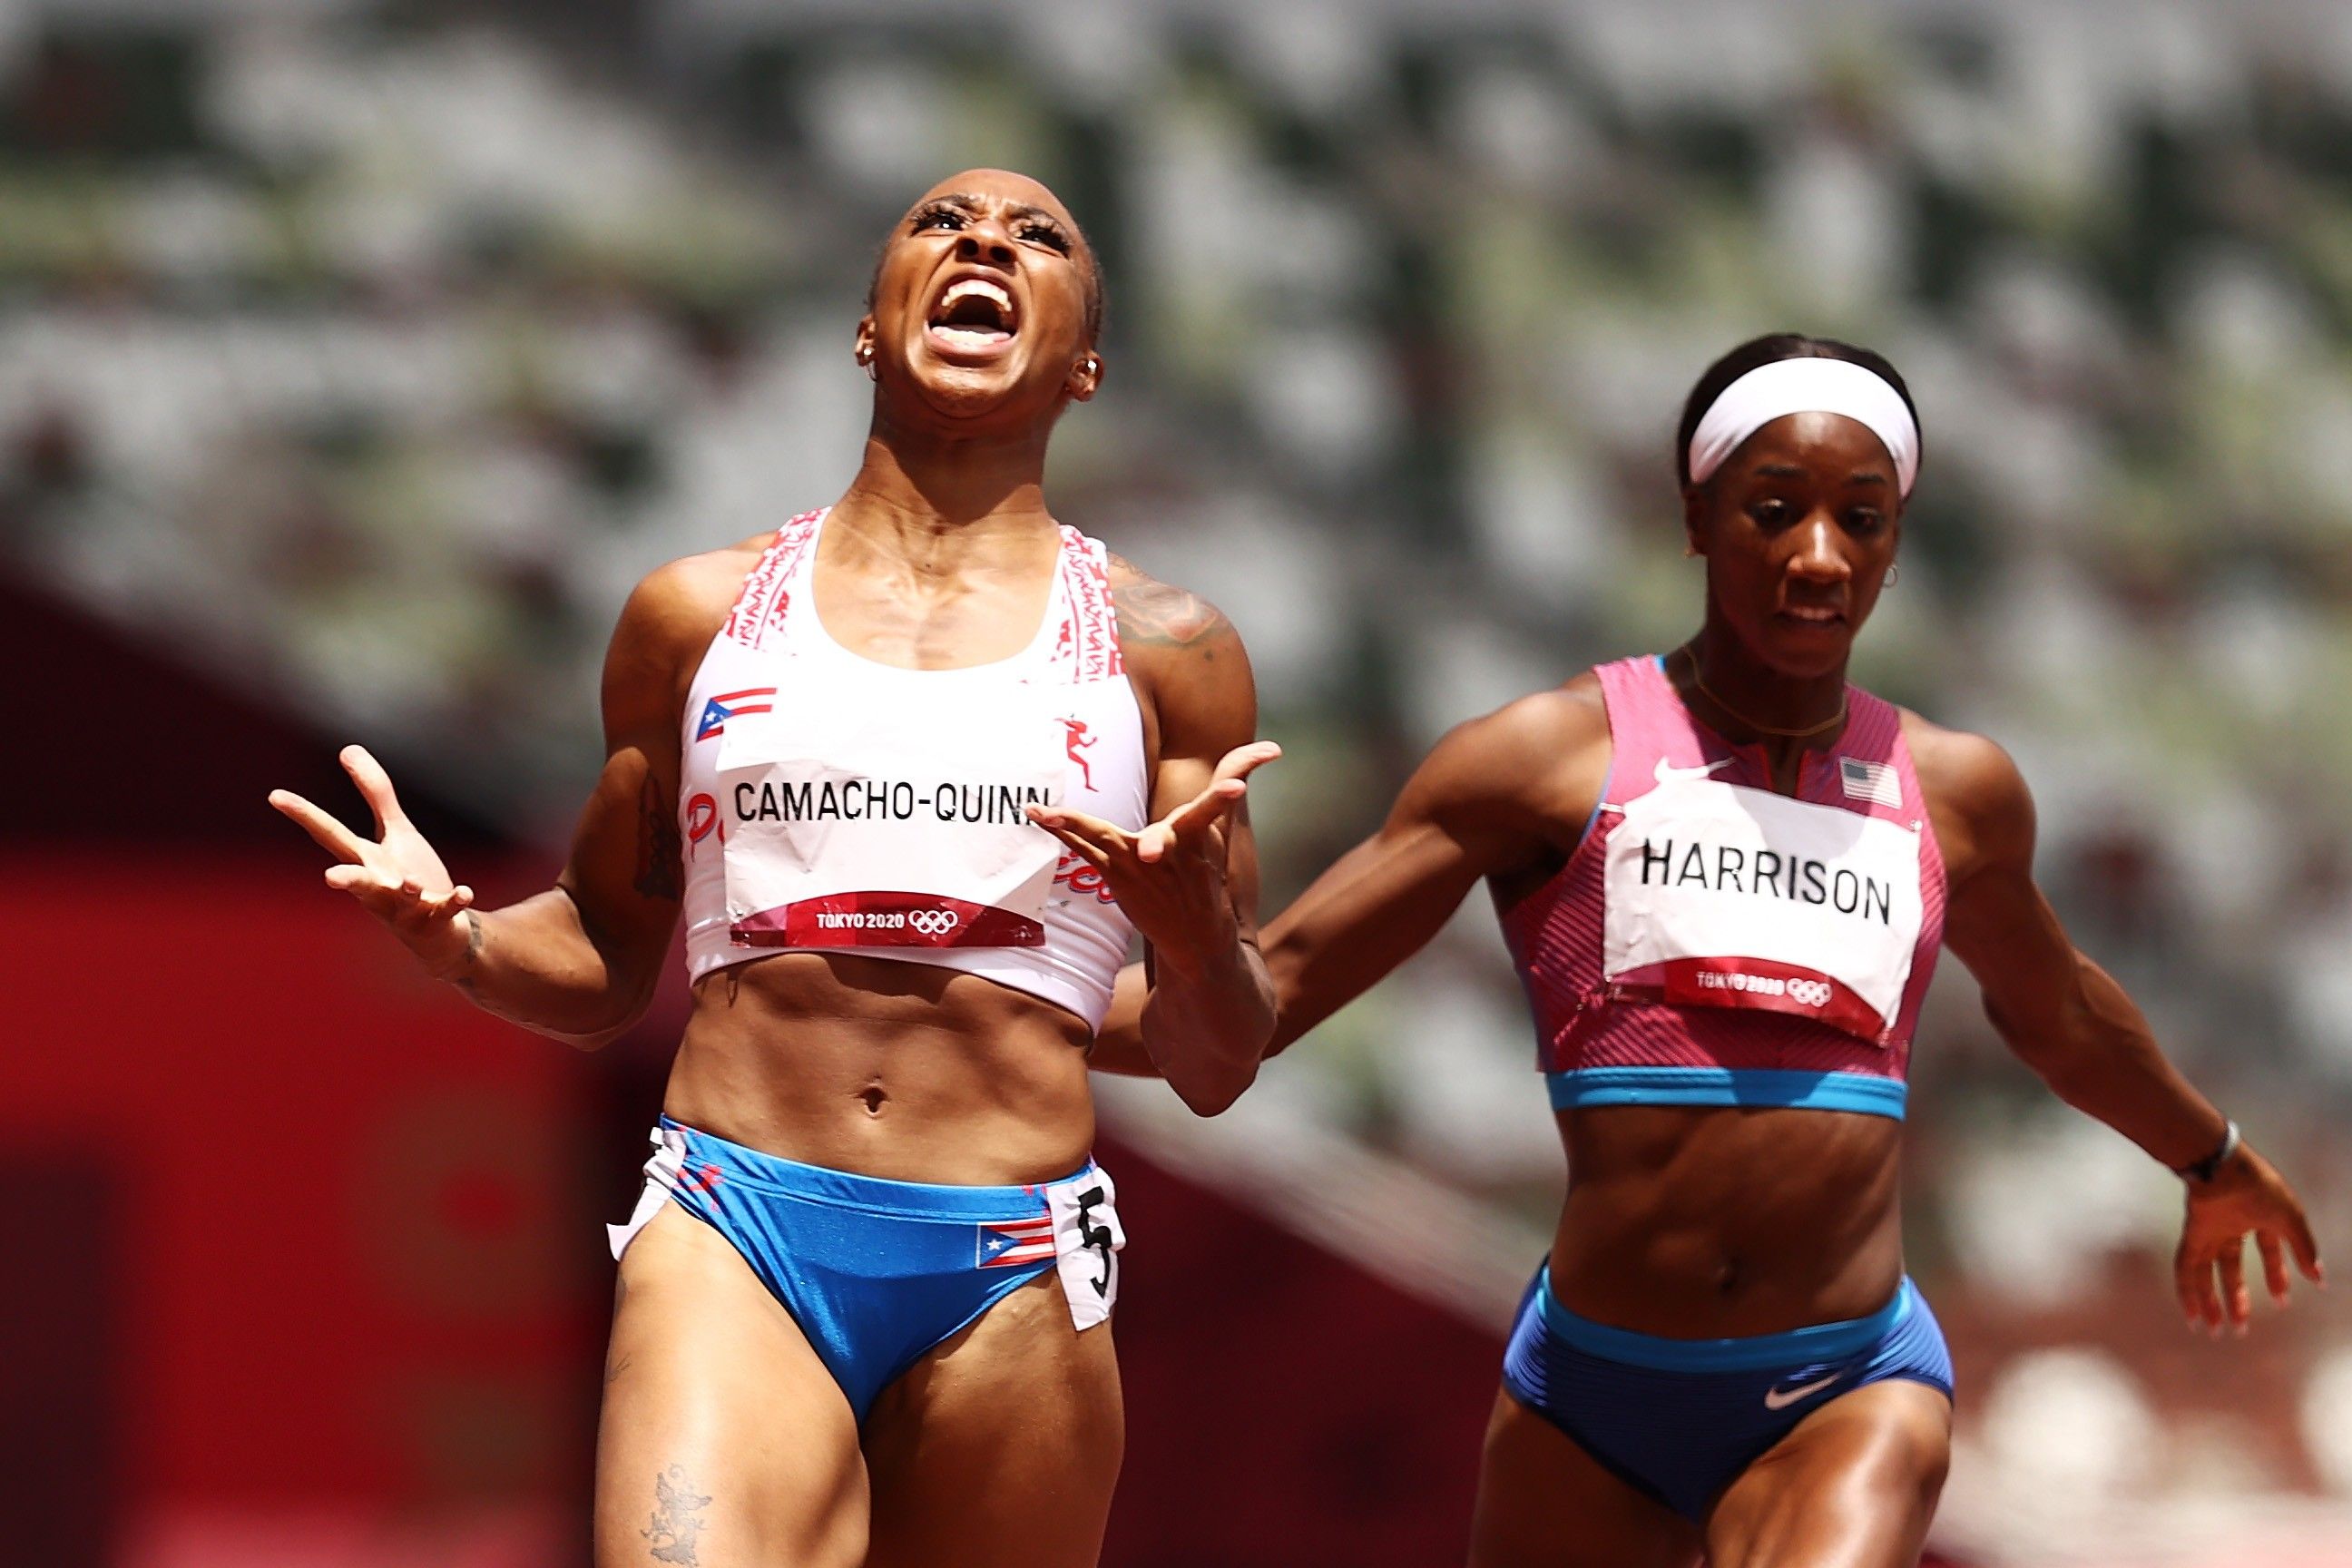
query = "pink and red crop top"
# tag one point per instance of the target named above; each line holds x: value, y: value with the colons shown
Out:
x: 1712, y: 941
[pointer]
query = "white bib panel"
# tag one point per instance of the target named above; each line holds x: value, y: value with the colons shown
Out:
x: 1721, y: 895
x: 896, y: 825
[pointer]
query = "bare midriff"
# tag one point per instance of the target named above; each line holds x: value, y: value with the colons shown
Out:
x: 908, y: 1071
x: 1700, y: 1221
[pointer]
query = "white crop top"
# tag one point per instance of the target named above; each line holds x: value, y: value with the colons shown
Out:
x: 830, y: 802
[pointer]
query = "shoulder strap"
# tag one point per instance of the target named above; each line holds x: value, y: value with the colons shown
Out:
x: 1086, y: 645
x: 1647, y: 725
x: 761, y: 607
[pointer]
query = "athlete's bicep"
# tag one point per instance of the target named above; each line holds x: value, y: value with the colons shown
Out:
x: 1204, y: 698
x: 1996, y: 920
x: 1472, y: 809
x: 624, y: 870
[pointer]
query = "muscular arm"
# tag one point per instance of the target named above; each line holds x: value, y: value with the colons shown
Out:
x: 2071, y: 1024
x: 1488, y: 801
x: 579, y: 961
x: 1202, y: 1006
x: 2062, y: 1015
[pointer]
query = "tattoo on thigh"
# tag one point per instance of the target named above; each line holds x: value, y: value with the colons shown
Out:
x: 613, y: 1371
x: 678, y: 1517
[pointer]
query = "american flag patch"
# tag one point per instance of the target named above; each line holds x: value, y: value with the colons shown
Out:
x: 1873, y: 782
x: 1007, y: 1242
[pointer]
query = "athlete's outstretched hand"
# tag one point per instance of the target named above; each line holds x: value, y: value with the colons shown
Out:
x: 1169, y: 877
x: 2245, y: 1194
x: 397, y: 876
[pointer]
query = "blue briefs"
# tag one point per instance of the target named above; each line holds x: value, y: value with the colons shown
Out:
x: 876, y: 1272
x: 1680, y: 1419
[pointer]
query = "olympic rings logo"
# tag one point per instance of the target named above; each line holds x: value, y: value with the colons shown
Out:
x: 1811, y: 992
x: 934, y: 922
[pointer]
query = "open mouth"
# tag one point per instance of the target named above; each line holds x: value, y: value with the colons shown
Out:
x: 1814, y: 615
x: 973, y: 315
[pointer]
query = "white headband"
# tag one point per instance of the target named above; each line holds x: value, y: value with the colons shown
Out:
x: 1806, y: 386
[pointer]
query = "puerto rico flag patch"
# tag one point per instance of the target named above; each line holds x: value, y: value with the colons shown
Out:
x: 1004, y: 1244
x: 728, y: 704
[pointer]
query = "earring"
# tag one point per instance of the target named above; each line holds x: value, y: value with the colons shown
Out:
x: 1893, y: 570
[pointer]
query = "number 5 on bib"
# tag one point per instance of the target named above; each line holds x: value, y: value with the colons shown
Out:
x: 1087, y: 1241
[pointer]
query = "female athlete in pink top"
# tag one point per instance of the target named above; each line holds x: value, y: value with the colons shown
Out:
x: 1724, y: 874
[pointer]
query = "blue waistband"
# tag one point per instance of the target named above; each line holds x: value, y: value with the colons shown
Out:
x: 847, y: 1189
x: 1820, y: 1342
x: 1777, y: 1086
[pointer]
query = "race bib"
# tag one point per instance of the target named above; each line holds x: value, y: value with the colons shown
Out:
x: 1723, y: 896
x: 844, y: 830
x: 1086, y: 1242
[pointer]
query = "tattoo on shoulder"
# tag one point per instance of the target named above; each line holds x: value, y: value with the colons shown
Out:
x: 1158, y: 614
x: 678, y: 1517
x: 659, y: 849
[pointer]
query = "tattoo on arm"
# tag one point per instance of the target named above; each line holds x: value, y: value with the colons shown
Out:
x: 1157, y: 614
x: 475, y: 937
x: 659, y: 849
x: 677, y: 1518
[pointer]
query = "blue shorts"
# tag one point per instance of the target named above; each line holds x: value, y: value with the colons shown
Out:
x: 877, y: 1272
x: 1680, y: 1419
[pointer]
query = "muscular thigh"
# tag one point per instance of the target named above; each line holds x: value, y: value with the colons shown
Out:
x: 1002, y: 1445
x: 724, y: 1443
x: 1854, y: 1486
x: 1544, y: 1502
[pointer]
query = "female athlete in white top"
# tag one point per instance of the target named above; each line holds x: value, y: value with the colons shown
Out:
x: 896, y: 760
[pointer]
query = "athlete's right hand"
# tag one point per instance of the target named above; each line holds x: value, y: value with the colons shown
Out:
x: 397, y: 876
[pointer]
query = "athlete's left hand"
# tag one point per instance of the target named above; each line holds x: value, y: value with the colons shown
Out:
x: 1169, y: 877
x: 2245, y: 1194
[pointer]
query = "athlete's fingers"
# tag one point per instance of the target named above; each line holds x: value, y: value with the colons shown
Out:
x: 2209, y: 1299
x: 2236, y: 1300
x: 1083, y: 848
x: 2306, y: 1249
x: 1061, y: 819
x: 387, y: 892
x: 2194, y: 1277
x: 375, y: 785
x: 1195, y: 816
x: 442, y: 906
x: 1243, y: 760
x: 331, y: 835
x: 2274, y: 1274
x: 356, y: 878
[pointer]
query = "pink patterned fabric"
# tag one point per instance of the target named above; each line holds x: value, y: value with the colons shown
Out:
x: 1555, y: 934
x: 1085, y: 646
x: 761, y: 607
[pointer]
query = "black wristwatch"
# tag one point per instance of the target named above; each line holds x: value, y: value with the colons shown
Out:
x: 2205, y: 1170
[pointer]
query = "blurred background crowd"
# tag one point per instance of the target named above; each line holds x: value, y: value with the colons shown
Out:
x: 361, y: 357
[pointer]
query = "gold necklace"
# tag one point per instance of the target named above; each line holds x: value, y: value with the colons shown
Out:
x: 1832, y: 722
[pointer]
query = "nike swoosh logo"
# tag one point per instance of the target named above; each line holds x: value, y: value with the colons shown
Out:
x: 1668, y: 776
x: 1781, y: 1398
